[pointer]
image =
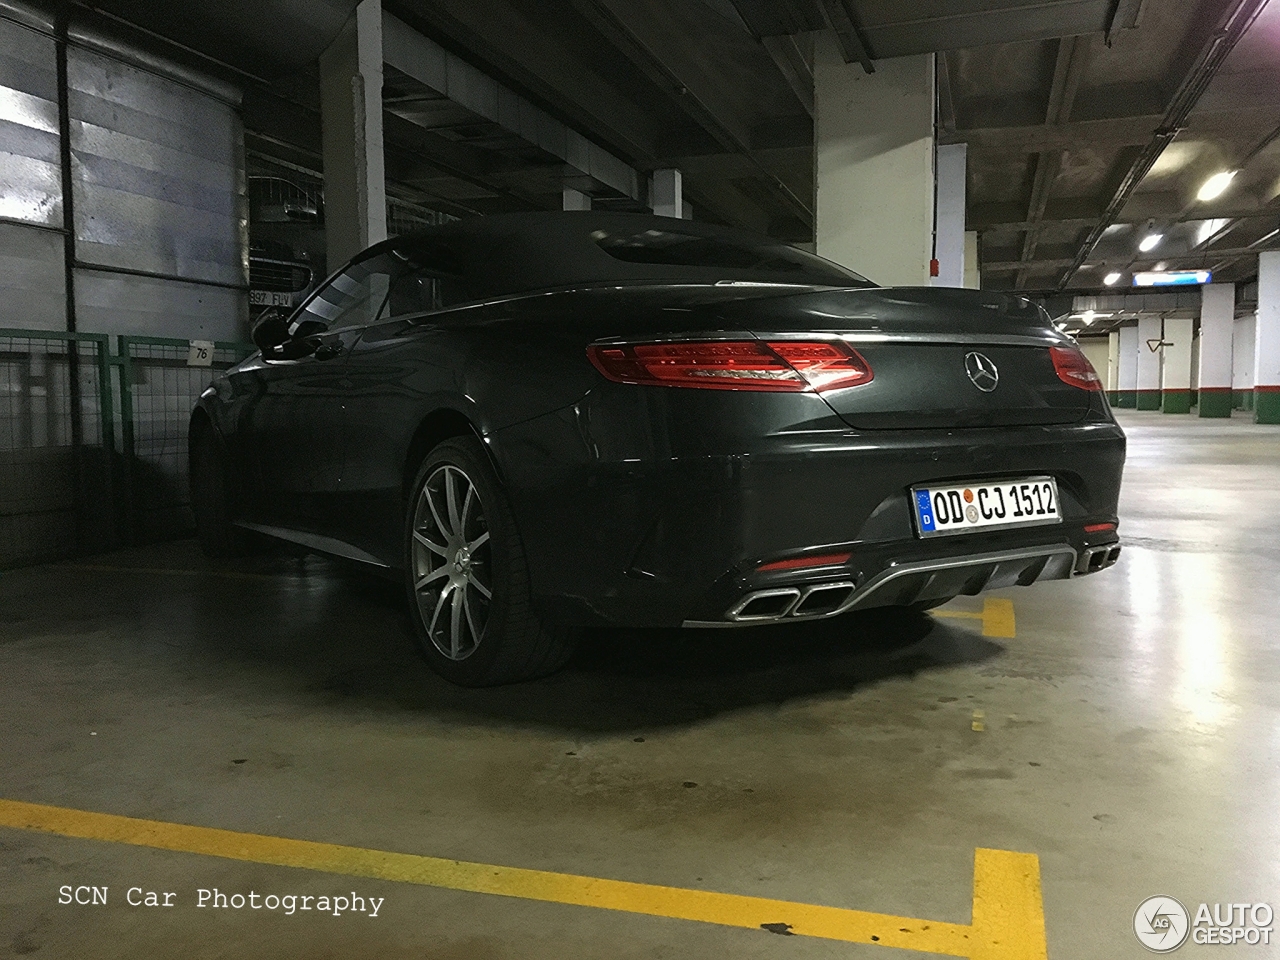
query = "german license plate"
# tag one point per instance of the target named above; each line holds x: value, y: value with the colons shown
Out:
x: 969, y: 507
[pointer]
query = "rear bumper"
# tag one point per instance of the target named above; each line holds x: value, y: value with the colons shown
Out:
x: 639, y: 528
x: 918, y: 581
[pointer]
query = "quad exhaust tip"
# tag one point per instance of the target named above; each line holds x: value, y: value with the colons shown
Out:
x: 763, y: 606
x: 1098, y: 558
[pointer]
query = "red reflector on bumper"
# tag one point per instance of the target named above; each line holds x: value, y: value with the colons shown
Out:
x: 801, y: 563
x: 1098, y: 527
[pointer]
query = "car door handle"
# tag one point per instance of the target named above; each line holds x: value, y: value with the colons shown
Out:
x: 327, y: 351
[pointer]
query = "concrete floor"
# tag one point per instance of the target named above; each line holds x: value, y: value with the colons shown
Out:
x: 1131, y: 739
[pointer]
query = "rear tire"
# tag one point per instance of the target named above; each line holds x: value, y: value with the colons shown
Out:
x: 467, y: 577
x: 213, y: 497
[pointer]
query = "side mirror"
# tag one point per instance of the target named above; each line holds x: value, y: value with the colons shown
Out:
x: 270, y: 330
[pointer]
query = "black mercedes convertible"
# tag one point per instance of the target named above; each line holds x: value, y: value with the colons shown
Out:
x: 544, y: 422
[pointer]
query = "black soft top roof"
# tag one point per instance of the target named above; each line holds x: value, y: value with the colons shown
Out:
x: 522, y: 252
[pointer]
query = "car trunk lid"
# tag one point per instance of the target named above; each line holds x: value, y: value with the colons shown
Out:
x: 941, y: 358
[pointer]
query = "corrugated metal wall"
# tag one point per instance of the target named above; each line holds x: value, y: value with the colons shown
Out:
x: 158, y: 173
x: 154, y: 169
x: 31, y: 244
x: 158, y: 193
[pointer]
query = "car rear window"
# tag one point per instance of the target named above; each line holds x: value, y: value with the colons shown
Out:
x: 675, y: 248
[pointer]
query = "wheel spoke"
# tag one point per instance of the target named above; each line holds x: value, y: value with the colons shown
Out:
x: 436, y: 574
x: 451, y: 501
x: 471, y: 620
x: 429, y: 544
x: 478, y: 542
x: 466, y: 509
x: 440, y: 602
x: 455, y: 623
x: 435, y: 514
x: 480, y: 587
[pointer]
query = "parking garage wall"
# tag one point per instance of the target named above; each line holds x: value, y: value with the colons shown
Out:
x: 123, y: 210
x: 144, y: 201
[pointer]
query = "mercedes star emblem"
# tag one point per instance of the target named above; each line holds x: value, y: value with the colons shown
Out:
x: 981, y: 371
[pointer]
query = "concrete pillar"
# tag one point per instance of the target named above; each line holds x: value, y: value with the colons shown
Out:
x: 1175, y: 367
x: 668, y: 195
x: 1127, y: 369
x: 873, y: 145
x: 575, y: 199
x: 1113, y: 366
x: 355, y: 192
x: 1217, y: 319
x: 686, y: 209
x: 1150, y: 331
x: 950, y: 244
x: 1242, y: 363
x: 972, y: 274
x: 1266, y: 342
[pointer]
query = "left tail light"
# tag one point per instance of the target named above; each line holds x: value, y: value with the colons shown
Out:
x: 1073, y: 367
x: 785, y: 366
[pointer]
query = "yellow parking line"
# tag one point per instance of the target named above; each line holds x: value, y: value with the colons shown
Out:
x: 1008, y: 915
x: 996, y: 616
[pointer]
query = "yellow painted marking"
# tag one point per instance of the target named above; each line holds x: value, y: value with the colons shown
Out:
x: 978, y: 717
x: 996, y: 616
x: 1008, y: 917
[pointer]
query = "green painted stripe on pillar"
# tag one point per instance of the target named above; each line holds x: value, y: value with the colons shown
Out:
x: 1175, y: 401
x: 1148, y: 399
x: 1126, y: 399
x: 1215, y: 403
x: 1266, y: 405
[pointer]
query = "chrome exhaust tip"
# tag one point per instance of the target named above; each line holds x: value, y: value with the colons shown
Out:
x: 1094, y: 559
x: 763, y: 606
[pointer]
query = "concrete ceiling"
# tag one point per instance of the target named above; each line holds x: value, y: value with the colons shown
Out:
x: 1089, y: 122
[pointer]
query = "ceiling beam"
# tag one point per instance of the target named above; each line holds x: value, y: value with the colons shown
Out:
x: 715, y: 118
x: 946, y: 97
x: 1067, y: 70
x: 845, y: 22
x: 1191, y: 258
x: 1116, y: 132
x: 1048, y: 165
x: 533, y: 61
x: 795, y: 68
x: 1212, y: 54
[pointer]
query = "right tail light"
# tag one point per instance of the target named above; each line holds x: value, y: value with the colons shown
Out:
x: 1073, y: 367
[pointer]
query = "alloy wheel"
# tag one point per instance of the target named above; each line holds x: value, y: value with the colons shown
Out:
x: 452, y: 562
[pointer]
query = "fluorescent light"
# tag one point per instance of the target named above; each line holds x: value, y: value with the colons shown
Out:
x: 1172, y: 278
x: 1208, y: 228
x: 1111, y: 279
x: 1216, y: 185
x: 1150, y: 241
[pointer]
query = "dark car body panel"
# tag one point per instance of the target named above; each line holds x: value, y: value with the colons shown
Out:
x: 653, y: 505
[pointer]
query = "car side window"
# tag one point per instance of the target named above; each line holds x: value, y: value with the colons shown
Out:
x: 417, y: 292
x: 353, y: 298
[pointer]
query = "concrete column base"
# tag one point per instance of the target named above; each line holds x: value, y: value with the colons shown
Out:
x: 1175, y: 401
x: 1266, y: 404
x: 1242, y: 399
x: 1126, y: 399
x: 1215, y: 402
x: 1148, y: 399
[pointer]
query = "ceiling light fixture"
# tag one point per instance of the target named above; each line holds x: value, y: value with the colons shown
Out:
x: 1216, y: 185
x: 1209, y: 228
x: 1111, y: 279
x: 1150, y: 241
